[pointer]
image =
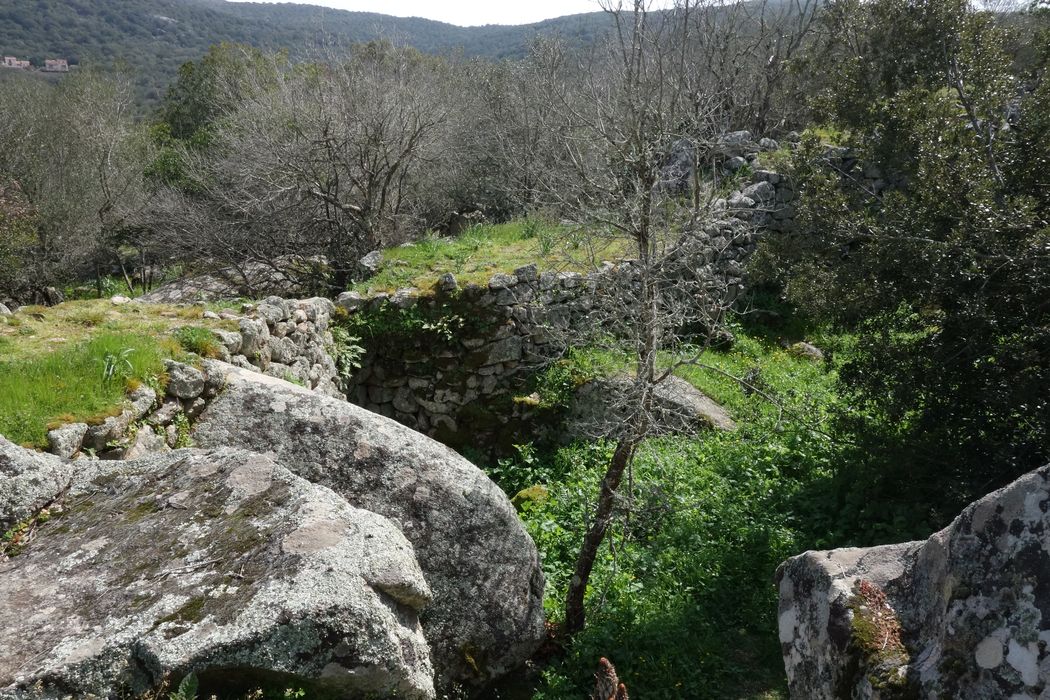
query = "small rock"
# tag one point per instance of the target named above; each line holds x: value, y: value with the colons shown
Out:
x: 405, y: 298
x: 501, y: 280
x: 119, y: 300
x: 270, y: 313
x: 4, y: 311
x: 369, y: 265
x: 184, y: 382
x: 527, y: 273
x: 351, y: 301
x: 66, y: 441
x: 807, y: 350
x: 760, y: 192
x: 210, y: 315
x: 166, y: 413
x: 767, y: 144
x: 146, y: 442
x: 231, y: 340
x: 447, y: 284
x: 735, y: 163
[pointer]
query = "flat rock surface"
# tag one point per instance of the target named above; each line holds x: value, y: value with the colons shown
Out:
x: 487, y: 616
x: 216, y: 562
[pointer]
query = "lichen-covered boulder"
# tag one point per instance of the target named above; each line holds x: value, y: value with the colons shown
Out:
x: 964, y: 614
x: 221, y: 563
x: 487, y: 615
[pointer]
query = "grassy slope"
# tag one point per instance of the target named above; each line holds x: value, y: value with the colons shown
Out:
x: 480, y: 252
x: 53, y: 361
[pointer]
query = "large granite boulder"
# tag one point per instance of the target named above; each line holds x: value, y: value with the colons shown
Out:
x: 221, y: 563
x: 964, y: 614
x: 486, y: 617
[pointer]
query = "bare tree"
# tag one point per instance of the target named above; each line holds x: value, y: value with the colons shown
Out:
x: 621, y: 113
x: 78, y: 158
x: 317, y: 161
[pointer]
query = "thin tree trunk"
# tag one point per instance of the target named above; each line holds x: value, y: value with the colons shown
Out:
x: 592, y: 541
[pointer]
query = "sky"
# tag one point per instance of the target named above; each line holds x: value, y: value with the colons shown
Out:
x: 465, y: 12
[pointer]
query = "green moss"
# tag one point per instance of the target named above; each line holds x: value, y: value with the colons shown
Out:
x: 876, y: 640
x: 190, y: 611
x: 143, y: 509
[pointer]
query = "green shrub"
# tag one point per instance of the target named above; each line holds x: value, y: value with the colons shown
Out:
x: 199, y: 341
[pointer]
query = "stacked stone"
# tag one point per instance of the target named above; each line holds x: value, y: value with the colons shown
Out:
x: 428, y: 390
x: 287, y: 339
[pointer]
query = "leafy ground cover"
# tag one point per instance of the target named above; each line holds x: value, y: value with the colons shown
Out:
x: 683, y: 600
x: 76, y: 361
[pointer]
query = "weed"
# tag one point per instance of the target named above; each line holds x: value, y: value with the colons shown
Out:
x: 199, y: 341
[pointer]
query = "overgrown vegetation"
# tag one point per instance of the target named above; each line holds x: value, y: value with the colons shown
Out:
x: 681, y: 598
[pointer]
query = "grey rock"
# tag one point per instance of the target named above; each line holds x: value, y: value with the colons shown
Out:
x: 768, y: 144
x: 369, y: 265
x: 146, y: 442
x: 210, y: 315
x: 258, y: 570
x: 527, y: 273
x: 166, y: 413
x: 506, y: 350
x: 350, y: 301
x: 969, y: 601
x: 119, y: 300
x: 807, y: 350
x: 735, y: 163
x: 141, y: 402
x: 231, y: 340
x: 270, y: 313
x: 481, y: 564
x: 318, y: 311
x: 405, y: 298
x: 4, y: 311
x: 65, y: 441
x: 29, y: 481
x: 447, y: 284
x: 501, y: 280
x: 739, y: 201
x: 184, y: 382
x: 254, y: 336
x: 600, y: 408
x: 760, y: 192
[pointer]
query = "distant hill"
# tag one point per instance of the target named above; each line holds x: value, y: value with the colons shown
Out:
x: 154, y: 37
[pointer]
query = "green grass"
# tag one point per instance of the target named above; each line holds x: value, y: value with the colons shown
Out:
x: 198, y: 340
x: 53, y: 360
x: 480, y: 252
x: 70, y: 384
x: 684, y: 603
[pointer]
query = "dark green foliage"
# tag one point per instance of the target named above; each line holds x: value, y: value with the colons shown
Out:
x: 944, y: 278
x: 682, y: 599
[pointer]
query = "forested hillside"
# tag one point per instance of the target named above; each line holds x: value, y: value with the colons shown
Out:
x: 152, y: 38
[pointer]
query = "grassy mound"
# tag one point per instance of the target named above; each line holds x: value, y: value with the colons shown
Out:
x: 76, y: 361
